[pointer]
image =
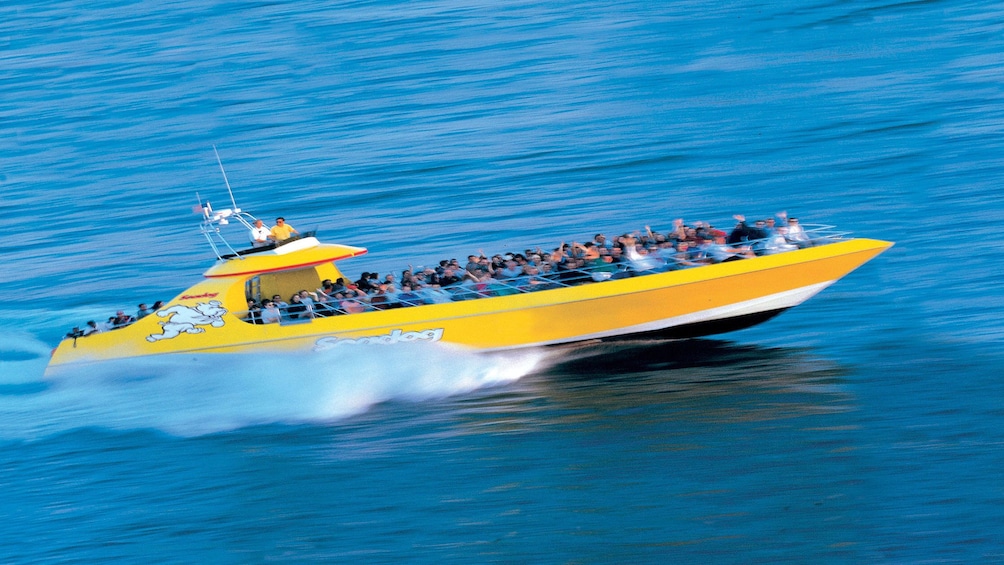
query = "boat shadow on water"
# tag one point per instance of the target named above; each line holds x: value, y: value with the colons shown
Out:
x: 696, y: 380
x: 689, y: 363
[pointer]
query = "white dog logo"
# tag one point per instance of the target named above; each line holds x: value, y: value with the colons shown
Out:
x: 184, y: 319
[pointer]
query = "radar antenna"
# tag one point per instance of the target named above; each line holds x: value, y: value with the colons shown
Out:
x: 225, y: 179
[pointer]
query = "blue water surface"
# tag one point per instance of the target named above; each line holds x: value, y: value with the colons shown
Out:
x: 863, y: 426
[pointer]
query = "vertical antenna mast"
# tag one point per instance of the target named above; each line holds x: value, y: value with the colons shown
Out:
x: 225, y: 179
x: 200, y: 209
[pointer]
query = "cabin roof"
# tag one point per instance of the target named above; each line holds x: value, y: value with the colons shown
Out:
x: 300, y: 254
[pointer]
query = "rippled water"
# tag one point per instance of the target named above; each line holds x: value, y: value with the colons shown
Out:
x: 863, y: 426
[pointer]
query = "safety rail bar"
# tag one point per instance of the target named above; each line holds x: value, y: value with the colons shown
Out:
x: 815, y: 234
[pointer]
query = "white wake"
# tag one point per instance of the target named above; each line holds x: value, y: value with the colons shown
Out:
x: 190, y: 395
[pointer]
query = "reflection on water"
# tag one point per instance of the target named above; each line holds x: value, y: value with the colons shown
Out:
x: 697, y: 360
x: 699, y: 445
x: 703, y: 379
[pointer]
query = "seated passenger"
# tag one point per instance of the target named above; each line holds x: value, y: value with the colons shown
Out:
x: 297, y: 310
x: 684, y: 257
x: 408, y: 276
x: 122, y: 319
x: 280, y: 304
x: 531, y: 280
x: 640, y: 260
x: 465, y: 289
x: 270, y: 314
x: 743, y: 232
x: 558, y: 257
x: 352, y: 306
x: 572, y: 271
x: 653, y: 239
x: 510, y: 270
x: 408, y: 296
x: 627, y: 241
x: 475, y: 267
x: 545, y: 273
x: 431, y: 277
x: 498, y: 263
x: 435, y: 294
x: 600, y: 240
x: 308, y: 299
x: 679, y: 232
x: 778, y: 243
x: 363, y: 283
x: 418, y: 279
x: 719, y: 252
x: 796, y: 235
x: 769, y: 227
x: 325, y: 303
x: 254, y: 312
x: 599, y: 266
x: 481, y: 266
x: 483, y: 286
x: 384, y: 298
x: 355, y: 301
x: 327, y: 289
x: 449, y: 277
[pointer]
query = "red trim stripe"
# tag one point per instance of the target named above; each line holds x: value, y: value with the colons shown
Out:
x: 286, y: 267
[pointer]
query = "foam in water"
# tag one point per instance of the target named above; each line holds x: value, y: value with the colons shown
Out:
x: 22, y: 358
x: 191, y: 395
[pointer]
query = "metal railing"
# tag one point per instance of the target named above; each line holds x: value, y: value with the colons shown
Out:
x: 815, y: 235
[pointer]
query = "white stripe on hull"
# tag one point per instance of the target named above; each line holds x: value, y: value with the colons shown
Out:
x: 769, y: 303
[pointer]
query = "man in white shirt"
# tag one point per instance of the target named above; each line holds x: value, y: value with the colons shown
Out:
x: 796, y: 234
x: 259, y: 234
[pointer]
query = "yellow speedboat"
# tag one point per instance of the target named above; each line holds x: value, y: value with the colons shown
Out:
x: 213, y: 315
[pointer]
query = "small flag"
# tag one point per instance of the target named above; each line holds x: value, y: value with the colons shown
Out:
x: 197, y: 209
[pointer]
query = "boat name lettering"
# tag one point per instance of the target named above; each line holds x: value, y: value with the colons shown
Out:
x: 194, y: 296
x: 396, y: 336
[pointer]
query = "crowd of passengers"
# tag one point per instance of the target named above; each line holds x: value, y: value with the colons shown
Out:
x: 119, y: 320
x: 569, y: 264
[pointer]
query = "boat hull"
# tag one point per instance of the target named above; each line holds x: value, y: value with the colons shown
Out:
x: 677, y: 304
